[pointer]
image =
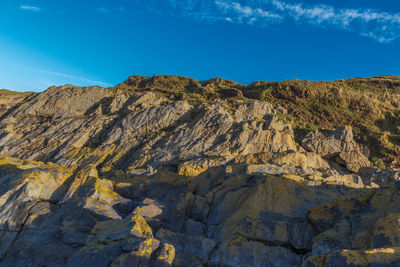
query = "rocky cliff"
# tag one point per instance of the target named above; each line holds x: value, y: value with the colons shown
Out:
x: 170, y: 171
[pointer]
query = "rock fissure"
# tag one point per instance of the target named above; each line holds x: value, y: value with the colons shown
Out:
x: 272, y: 243
x: 21, y: 228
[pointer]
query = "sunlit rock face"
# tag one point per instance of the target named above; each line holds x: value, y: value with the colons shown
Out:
x: 154, y: 173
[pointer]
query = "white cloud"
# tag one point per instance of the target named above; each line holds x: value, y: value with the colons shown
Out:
x: 103, y: 10
x: 45, y: 83
x: 106, y: 10
x: 72, y: 77
x: 383, y: 27
x: 328, y: 14
x: 245, y: 14
x: 380, y: 26
x: 30, y: 8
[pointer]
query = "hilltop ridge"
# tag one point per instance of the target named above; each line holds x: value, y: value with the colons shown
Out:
x: 370, y: 105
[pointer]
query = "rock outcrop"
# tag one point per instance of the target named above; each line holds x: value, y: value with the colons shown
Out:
x: 340, y: 145
x: 142, y: 175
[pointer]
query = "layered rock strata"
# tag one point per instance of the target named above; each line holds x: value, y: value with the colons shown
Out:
x: 134, y: 177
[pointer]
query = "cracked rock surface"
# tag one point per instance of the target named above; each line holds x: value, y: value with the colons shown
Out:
x: 93, y: 176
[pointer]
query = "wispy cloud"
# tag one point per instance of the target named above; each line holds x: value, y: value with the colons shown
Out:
x: 103, y: 10
x: 380, y: 26
x: 72, y: 77
x: 108, y: 10
x: 235, y: 12
x: 30, y: 8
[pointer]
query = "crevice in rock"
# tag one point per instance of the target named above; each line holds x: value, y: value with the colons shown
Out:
x: 283, y: 244
x: 18, y: 232
x: 367, y: 201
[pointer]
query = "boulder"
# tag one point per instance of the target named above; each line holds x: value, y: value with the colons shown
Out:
x: 339, y: 145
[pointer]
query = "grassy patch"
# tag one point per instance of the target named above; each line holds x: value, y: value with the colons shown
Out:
x: 370, y: 105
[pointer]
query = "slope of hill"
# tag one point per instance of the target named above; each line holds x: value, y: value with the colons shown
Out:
x: 167, y: 170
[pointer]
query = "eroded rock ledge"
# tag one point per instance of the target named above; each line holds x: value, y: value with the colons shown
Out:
x: 104, y: 177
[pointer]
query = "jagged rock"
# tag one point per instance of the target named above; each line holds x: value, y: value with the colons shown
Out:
x: 166, y: 256
x: 370, y: 257
x: 339, y: 144
x: 64, y: 101
x: 239, y: 252
x: 353, y: 160
x: 152, y: 212
x: 142, y: 131
x: 357, y: 228
x: 335, y: 142
x: 303, y: 160
x: 194, y: 246
x: 386, y: 232
x: 254, y: 110
x: 143, y: 175
x: 9, y: 100
x: 194, y: 228
x: 264, y: 215
x: 376, y: 177
x: 197, y: 166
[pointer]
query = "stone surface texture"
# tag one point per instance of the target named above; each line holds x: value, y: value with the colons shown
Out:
x: 130, y: 176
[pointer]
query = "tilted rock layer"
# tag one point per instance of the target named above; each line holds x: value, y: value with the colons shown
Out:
x: 151, y: 173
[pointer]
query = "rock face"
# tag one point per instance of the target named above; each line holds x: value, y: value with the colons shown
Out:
x: 139, y: 175
x: 340, y: 145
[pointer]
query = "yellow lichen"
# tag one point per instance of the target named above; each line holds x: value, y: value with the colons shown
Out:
x: 167, y: 254
x: 140, y: 228
x: 293, y: 177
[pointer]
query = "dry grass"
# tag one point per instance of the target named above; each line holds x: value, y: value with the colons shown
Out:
x: 370, y: 105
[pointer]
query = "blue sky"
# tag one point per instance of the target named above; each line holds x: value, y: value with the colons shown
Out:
x: 48, y: 42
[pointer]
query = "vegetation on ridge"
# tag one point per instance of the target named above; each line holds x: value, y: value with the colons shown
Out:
x: 370, y: 105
